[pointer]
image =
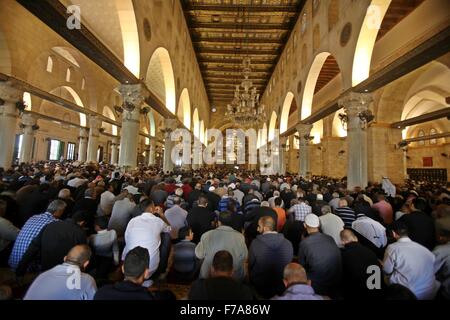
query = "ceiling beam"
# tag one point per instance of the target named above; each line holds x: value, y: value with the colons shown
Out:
x: 255, y: 60
x: 261, y: 52
x: 198, y: 39
x: 237, y: 8
x: 432, y: 136
x: 438, y: 114
x: 207, y: 68
x: 270, y: 27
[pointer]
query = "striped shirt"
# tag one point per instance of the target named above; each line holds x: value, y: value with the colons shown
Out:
x: 347, y: 215
x: 30, y: 230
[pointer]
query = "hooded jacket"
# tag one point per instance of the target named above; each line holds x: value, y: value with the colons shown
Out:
x: 268, y: 255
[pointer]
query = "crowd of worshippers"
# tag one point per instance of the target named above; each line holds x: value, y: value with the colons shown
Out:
x: 83, y: 232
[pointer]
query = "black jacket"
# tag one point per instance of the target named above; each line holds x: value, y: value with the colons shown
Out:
x: 355, y: 262
x: 200, y: 220
x: 220, y: 288
x: 52, y: 244
x: 125, y: 290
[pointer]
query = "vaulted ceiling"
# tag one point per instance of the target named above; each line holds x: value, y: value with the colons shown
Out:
x: 224, y: 32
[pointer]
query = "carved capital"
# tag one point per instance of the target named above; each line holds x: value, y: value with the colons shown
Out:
x: 10, y: 94
x: 355, y: 103
x: 133, y: 96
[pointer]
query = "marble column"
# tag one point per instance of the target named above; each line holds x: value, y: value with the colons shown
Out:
x: 282, y: 162
x: 9, y: 96
x: 304, y: 131
x: 133, y: 97
x: 353, y: 104
x: 152, y: 152
x: 29, y: 126
x: 94, y: 135
x: 82, y: 144
x: 170, y: 125
x: 114, y: 146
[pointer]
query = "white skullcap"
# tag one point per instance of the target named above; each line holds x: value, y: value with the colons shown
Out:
x: 312, y: 221
x: 211, y: 189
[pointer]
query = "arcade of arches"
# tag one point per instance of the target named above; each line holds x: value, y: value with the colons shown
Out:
x: 351, y: 89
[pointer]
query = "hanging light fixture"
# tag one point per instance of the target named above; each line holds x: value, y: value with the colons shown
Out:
x: 245, y: 109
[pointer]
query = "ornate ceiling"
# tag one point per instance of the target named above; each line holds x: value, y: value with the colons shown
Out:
x: 226, y: 31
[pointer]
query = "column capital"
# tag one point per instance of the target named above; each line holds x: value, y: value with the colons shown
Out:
x: 28, y: 120
x: 133, y: 95
x: 304, y: 129
x: 283, y: 141
x: 8, y: 93
x: 83, y: 134
x: 169, y: 126
x: 355, y: 102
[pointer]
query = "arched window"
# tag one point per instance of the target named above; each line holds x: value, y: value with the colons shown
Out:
x: 68, y: 74
x: 421, y: 134
x: 432, y: 132
x: 49, y: 64
x: 83, y: 84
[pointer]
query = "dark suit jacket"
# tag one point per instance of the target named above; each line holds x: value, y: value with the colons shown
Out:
x: 220, y: 288
x: 52, y: 244
x: 125, y: 290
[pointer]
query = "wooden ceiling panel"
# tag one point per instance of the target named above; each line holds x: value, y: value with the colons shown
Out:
x: 226, y: 32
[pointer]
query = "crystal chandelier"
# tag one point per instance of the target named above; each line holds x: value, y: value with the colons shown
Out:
x: 245, y: 109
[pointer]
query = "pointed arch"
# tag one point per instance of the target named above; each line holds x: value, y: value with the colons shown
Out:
x: 286, y: 111
x: 202, y: 132
x: 272, y: 125
x: 110, y: 128
x: 366, y: 40
x: 130, y: 36
x: 184, y: 108
x: 196, y: 124
x: 315, y: 80
x: 160, y: 78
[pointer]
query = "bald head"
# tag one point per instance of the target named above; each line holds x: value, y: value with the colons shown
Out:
x: 347, y: 236
x: 79, y: 255
x: 294, y: 273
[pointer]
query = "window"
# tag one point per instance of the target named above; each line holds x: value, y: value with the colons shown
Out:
x: 421, y: 134
x: 54, y: 150
x: 49, y: 64
x: 83, y: 84
x: 71, y: 151
x: 18, y: 146
x: 432, y: 132
x: 68, y: 74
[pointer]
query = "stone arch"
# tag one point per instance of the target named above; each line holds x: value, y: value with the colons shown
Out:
x: 160, y: 78
x: 196, y: 123
x: 272, y: 126
x: 366, y: 40
x: 285, y: 111
x: 67, y: 93
x: 114, y: 22
x: 109, y: 128
x: 184, y: 108
x: 202, y: 131
x: 312, y: 81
